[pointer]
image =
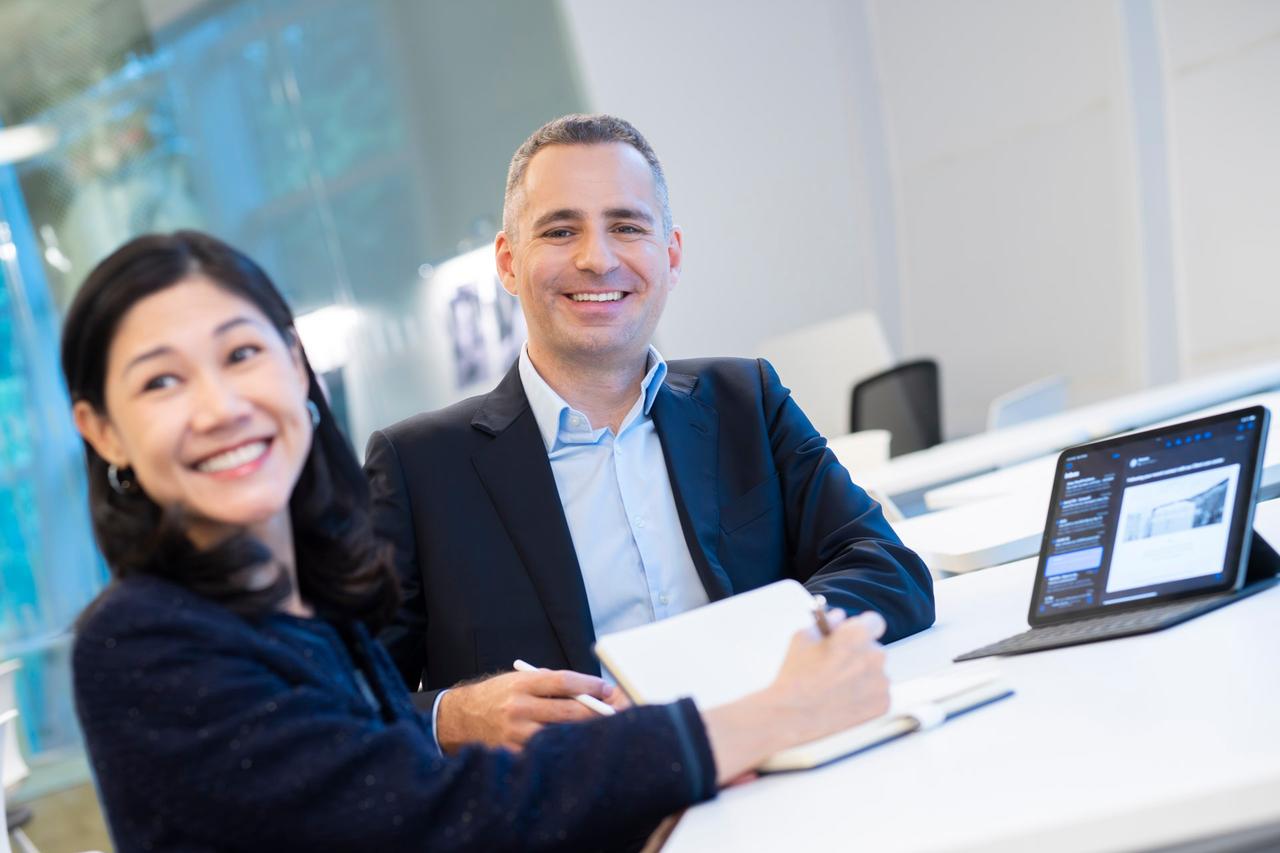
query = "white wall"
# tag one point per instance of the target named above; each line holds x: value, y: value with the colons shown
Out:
x: 748, y: 106
x: 1223, y: 79
x: 1015, y: 193
x: 988, y: 174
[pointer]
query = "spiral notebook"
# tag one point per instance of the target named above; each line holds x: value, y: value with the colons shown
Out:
x: 726, y: 650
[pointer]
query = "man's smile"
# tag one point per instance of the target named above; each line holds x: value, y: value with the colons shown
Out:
x: 606, y: 296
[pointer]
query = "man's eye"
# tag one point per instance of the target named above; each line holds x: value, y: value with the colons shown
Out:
x: 158, y: 383
x: 557, y: 233
x: 629, y: 229
x: 241, y: 353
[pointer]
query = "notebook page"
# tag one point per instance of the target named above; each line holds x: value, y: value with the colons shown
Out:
x: 715, y: 654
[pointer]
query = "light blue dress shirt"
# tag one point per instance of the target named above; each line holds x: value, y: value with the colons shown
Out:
x: 618, y: 501
x: 621, y: 511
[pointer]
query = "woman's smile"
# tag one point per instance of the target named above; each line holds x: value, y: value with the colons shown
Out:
x: 238, y: 461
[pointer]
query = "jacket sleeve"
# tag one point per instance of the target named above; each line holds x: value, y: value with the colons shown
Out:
x: 405, y: 638
x: 837, y: 536
x: 198, y: 744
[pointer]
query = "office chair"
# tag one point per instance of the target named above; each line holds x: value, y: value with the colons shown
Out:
x: 821, y: 362
x: 6, y: 725
x: 906, y: 400
x: 1038, y: 399
x: 13, y: 769
x: 859, y: 451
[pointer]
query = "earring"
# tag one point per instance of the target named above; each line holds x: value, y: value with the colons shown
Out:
x: 315, y: 413
x: 120, y: 487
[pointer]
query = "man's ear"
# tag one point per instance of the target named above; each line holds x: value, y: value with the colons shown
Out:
x: 675, y: 253
x: 96, y: 428
x: 505, y: 261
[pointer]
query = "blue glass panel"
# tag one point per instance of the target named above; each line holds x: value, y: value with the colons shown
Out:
x: 48, y: 567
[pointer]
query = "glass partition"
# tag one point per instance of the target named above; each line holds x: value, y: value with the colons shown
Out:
x: 357, y: 150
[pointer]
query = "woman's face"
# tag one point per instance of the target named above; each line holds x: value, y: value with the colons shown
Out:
x: 207, y: 404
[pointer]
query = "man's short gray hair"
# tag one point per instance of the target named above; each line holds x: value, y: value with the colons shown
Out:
x: 580, y: 129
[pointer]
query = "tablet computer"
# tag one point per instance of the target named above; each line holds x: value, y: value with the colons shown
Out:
x: 1145, y: 530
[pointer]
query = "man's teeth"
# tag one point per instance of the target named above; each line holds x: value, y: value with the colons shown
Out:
x: 611, y: 296
x: 233, y: 458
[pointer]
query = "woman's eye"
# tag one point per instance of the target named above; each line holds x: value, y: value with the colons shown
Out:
x: 157, y: 383
x: 241, y: 353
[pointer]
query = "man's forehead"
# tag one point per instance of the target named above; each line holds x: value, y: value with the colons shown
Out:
x: 588, y: 177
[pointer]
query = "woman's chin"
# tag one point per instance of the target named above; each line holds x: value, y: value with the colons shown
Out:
x: 213, y: 526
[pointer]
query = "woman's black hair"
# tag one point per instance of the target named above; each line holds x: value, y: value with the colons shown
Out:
x: 343, y: 570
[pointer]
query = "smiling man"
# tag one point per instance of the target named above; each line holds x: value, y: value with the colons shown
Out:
x: 599, y: 487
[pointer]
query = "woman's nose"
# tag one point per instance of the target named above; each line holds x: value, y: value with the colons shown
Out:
x: 218, y: 403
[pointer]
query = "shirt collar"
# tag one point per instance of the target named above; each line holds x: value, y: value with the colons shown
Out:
x: 554, y: 415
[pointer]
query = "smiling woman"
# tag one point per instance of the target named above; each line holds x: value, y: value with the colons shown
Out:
x: 195, y: 401
x: 197, y: 413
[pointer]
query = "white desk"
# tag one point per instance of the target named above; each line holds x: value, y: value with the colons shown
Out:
x: 1038, y: 473
x: 977, y: 535
x: 963, y: 457
x: 999, y: 517
x: 1125, y: 744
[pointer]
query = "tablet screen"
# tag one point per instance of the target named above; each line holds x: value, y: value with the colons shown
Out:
x: 1156, y: 514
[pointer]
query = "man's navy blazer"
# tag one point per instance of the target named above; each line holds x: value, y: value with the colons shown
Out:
x: 487, y: 565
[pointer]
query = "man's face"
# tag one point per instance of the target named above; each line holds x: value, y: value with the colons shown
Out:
x: 589, y: 260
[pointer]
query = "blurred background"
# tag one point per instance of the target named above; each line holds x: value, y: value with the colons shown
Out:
x: 1018, y: 189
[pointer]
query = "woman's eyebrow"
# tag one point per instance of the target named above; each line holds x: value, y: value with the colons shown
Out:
x: 154, y: 352
x: 165, y: 349
x: 223, y: 328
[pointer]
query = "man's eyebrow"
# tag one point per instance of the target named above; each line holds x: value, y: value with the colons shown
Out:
x: 558, y: 215
x: 629, y: 213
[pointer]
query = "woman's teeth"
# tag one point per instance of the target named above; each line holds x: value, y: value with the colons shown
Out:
x: 233, y: 458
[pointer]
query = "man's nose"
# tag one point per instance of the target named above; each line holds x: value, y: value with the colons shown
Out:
x: 595, y: 253
x: 218, y: 403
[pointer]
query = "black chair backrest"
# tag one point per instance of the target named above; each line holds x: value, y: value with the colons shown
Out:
x: 906, y: 400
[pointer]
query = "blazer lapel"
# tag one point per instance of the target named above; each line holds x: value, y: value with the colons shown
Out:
x: 517, y: 475
x: 688, y: 430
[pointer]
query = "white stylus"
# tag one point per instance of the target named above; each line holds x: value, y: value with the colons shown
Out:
x: 590, y: 701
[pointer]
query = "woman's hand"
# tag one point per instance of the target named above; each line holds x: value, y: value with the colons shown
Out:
x: 831, y: 683
x: 826, y: 684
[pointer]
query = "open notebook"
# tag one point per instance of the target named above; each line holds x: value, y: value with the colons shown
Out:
x: 724, y: 651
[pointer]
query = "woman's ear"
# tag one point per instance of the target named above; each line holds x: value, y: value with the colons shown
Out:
x: 95, y: 428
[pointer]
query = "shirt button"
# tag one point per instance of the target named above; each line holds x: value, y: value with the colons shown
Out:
x: 640, y: 523
x: 664, y: 600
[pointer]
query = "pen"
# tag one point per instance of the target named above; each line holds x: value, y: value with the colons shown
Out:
x: 820, y: 614
x: 590, y: 701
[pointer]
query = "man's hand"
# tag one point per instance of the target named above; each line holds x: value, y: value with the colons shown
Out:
x: 506, y: 710
x: 617, y: 699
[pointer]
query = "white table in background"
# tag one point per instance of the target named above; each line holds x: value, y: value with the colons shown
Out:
x: 1126, y: 744
x: 999, y: 517
x: 963, y: 457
